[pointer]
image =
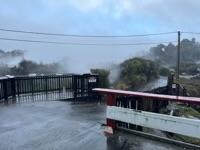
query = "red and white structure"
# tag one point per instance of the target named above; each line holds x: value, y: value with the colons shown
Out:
x: 173, y: 124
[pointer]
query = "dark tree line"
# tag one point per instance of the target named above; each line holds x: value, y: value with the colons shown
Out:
x: 11, y: 54
x: 26, y: 67
x: 167, y: 54
x: 189, y: 55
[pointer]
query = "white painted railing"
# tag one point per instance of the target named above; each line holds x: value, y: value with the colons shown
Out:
x: 168, y: 123
x: 179, y: 125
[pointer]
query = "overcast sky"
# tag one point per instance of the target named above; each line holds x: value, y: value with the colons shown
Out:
x: 94, y: 17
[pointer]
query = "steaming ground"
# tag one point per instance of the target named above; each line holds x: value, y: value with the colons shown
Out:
x: 162, y: 81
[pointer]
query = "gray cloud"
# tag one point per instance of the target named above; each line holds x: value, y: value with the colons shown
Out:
x: 109, y: 17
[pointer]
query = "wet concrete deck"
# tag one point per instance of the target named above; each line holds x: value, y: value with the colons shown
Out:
x: 53, y: 125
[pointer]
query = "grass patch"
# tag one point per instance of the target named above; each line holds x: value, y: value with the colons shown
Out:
x: 186, y: 111
x: 186, y: 139
x: 183, y: 110
x: 192, y: 86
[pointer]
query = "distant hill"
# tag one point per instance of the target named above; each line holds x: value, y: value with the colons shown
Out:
x: 167, y: 54
x: 6, y: 56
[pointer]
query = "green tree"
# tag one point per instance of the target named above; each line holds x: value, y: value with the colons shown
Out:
x: 163, y: 71
x: 137, y: 71
x: 26, y: 67
x: 103, y: 77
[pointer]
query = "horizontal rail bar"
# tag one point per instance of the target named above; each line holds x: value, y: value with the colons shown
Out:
x: 179, y: 125
x: 150, y: 95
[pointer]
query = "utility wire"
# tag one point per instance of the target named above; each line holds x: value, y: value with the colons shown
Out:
x: 191, y: 32
x: 89, y: 44
x: 85, y: 36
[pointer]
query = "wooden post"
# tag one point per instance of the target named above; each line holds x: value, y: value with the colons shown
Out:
x: 178, y: 56
x: 82, y: 85
x: 75, y: 86
x: 5, y: 91
x: 111, y: 101
x: 13, y: 88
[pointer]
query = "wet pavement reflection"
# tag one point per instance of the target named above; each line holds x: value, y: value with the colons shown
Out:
x: 61, y: 125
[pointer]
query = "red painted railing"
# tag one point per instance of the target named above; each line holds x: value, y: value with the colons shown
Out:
x: 112, y: 94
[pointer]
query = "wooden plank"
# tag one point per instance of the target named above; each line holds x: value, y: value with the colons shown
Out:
x: 179, y: 125
x: 150, y: 95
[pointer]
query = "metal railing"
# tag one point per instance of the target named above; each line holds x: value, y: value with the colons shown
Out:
x: 135, y: 110
x: 47, y: 87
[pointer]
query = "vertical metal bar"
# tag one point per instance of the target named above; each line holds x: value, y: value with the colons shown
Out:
x: 25, y: 86
x: 59, y: 87
x: 178, y: 55
x: 82, y: 85
x: 59, y: 84
x: 97, y: 81
x: 46, y: 85
x: 50, y: 83
x: 75, y: 86
x: 5, y: 92
x: 177, y: 89
x: 13, y: 88
x: 17, y: 87
x: 31, y: 81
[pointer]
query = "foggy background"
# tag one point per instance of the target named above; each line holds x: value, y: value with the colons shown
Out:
x: 94, y: 17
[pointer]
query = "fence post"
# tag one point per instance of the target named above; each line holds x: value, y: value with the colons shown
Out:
x: 46, y: 84
x: 17, y: 79
x: 5, y: 90
x: 59, y: 88
x: 13, y: 88
x: 91, y: 85
x: 31, y: 83
x: 97, y: 86
x: 97, y: 81
x: 111, y: 101
x: 170, y: 84
x: 177, y: 89
x: 82, y: 85
x: 72, y: 84
x: 75, y: 86
x: 59, y: 83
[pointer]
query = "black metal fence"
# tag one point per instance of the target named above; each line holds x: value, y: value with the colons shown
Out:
x: 48, y: 87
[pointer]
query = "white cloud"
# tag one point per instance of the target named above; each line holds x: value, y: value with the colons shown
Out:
x: 96, y: 17
x: 160, y: 9
x: 81, y: 5
x: 55, y: 5
x: 87, y: 5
